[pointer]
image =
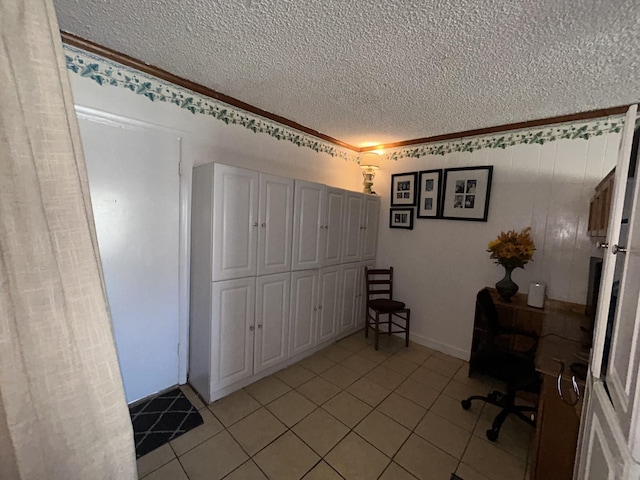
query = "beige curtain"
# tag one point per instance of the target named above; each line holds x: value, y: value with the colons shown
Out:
x: 63, y: 414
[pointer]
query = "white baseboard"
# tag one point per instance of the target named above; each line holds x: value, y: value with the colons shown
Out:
x: 440, y: 346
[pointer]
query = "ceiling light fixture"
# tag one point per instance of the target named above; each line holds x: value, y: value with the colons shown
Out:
x: 369, y: 163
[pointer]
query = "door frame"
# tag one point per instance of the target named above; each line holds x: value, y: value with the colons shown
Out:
x: 184, y: 167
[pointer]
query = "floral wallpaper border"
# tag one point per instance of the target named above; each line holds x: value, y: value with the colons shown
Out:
x: 106, y: 72
x: 536, y: 135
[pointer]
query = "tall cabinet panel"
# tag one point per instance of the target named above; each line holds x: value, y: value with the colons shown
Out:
x: 370, y: 235
x: 276, y: 224
x: 353, y: 227
x: 272, y: 320
x: 348, y: 310
x: 307, y: 235
x: 304, y: 286
x: 235, y: 222
x: 328, y: 303
x: 233, y: 304
x: 332, y: 226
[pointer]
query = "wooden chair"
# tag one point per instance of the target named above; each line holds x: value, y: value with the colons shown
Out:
x: 380, y: 302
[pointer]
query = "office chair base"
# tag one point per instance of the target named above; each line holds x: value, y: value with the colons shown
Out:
x: 506, y: 402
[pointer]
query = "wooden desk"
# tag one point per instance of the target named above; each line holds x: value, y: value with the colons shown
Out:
x: 561, y: 339
x: 558, y: 423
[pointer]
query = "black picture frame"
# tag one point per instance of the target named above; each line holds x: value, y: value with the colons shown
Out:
x: 430, y: 194
x: 466, y: 193
x: 397, y: 221
x: 403, y: 189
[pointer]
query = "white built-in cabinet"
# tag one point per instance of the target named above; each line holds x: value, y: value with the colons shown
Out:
x: 277, y: 272
x: 232, y: 305
x: 308, y: 218
x: 304, y: 305
x: 276, y: 223
x: 329, y: 300
x: 332, y: 225
x: 272, y: 320
x: 370, y: 218
x: 235, y: 222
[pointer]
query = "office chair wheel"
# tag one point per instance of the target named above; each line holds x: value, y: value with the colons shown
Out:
x: 466, y: 404
x: 492, y: 435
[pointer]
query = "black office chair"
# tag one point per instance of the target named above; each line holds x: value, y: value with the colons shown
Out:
x: 496, y: 358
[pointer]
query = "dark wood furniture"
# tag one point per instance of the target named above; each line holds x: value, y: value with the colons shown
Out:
x: 564, y: 334
x: 600, y: 206
x: 380, y: 302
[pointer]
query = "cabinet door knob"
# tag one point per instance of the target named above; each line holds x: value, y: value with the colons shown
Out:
x: 255, y: 224
x: 264, y: 224
x: 319, y: 307
x: 618, y: 249
x: 259, y: 326
x: 252, y: 328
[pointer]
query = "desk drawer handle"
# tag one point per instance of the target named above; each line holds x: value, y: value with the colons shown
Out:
x: 574, y: 384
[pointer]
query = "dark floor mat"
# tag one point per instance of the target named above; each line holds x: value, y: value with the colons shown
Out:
x: 161, y: 419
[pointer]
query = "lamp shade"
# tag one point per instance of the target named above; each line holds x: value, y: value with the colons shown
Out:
x: 370, y: 160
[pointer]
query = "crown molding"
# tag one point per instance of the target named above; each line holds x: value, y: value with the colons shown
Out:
x: 109, y: 67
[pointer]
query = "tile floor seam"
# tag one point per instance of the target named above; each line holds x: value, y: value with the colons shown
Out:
x: 359, y: 375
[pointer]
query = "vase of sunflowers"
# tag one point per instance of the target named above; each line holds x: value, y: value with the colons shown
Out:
x: 511, y: 250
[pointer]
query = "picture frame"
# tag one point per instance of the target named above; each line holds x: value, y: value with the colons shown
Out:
x: 401, y: 218
x: 403, y: 189
x: 429, y: 190
x: 466, y: 193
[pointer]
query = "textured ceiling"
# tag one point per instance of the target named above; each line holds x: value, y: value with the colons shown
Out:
x: 382, y: 71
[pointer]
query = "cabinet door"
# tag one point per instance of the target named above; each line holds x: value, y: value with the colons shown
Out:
x: 361, y: 294
x: 232, y: 312
x: 332, y: 226
x: 276, y: 224
x: 353, y: 227
x: 235, y: 222
x: 272, y: 320
x: 328, y: 303
x: 370, y: 236
x: 307, y: 237
x: 304, y: 285
x: 348, y: 309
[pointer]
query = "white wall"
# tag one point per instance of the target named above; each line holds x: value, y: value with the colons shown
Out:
x: 441, y: 264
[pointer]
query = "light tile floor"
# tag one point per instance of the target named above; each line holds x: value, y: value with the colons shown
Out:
x: 349, y: 412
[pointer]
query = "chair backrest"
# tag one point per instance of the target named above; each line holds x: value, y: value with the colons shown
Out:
x: 487, y: 311
x: 379, y: 282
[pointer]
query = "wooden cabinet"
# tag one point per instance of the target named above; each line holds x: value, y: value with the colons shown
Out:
x: 557, y: 426
x: 304, y: 290
x: 275, y: 224
x: 329, y: 299
x: 371, y: 218
x: 331, y: 225
x: 307, y: 234
x: 232, y: 326
x: 600, y: 207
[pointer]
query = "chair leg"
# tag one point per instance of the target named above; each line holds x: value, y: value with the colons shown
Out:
x: 376, y: 330
x: 406, y: 340
x: 366, y: 324
x: 493, y: 433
